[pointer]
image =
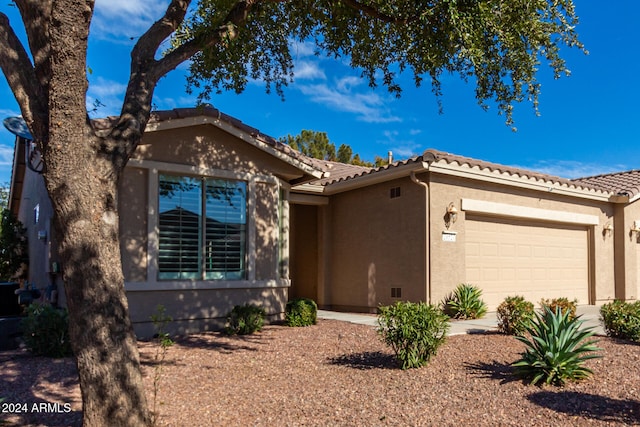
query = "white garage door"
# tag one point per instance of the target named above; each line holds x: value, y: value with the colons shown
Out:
x: 508, y: 257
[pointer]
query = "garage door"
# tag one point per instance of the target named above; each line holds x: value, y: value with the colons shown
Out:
x: 508, y: 257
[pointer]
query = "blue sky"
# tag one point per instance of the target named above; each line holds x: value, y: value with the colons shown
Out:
x: 589, y: 122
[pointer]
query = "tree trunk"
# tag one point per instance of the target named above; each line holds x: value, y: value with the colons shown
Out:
x: 82, y: 180
x: 101, y: 333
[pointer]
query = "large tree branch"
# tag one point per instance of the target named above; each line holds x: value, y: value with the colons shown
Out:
x: 21, y: 77
x: 146, y: 70
x: 228, y: 31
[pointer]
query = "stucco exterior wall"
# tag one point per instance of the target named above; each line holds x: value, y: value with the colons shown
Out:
x: 200, y: 310
x: 267, y: 231
x: 133, y: 211
x: 209, y: 147
x: 36, y: 215
x: 377, y: 244
x: 202, y: 304
x: 628, y: 251
x: 447, y: 258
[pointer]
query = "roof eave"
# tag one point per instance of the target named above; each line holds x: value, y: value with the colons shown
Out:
x: 375, y: 177
x: 253, y: 138
x: 516, y: 180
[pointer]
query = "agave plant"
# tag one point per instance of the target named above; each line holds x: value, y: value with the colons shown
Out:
x: 556, y: 350
x: 465, y: 303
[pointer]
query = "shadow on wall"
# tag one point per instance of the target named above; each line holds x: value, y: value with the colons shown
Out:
x: 205, y: 148
x: 200, y: 310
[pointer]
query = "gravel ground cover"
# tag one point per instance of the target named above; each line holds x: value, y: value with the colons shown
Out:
x: 339, y: 374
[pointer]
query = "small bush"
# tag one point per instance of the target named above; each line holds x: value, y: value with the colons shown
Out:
x: 515, y: 315
x: 621, y: 320
x: 46, y: 330
x: 465, y: 302
x: 413, y: 330
x: 245, y: 320
x: 301, y: 312
x: 160, y: 320
x: 556, y: 351
x: 562, y: 303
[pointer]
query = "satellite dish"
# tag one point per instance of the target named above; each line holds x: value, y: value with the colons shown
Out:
x: 18, y: 127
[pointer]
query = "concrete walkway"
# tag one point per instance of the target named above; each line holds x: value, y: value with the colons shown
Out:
x: 590, y: 316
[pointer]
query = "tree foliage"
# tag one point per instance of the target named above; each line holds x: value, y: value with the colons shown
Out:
x: 13, y: 247
x: 495, y: 44
x: 317, y: 145
x: 4, y: 195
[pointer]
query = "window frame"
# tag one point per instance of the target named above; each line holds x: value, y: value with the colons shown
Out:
x: 153, y: 168
x: 203, y: 206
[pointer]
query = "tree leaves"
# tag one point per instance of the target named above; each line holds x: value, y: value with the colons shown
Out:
x: 497, y: 45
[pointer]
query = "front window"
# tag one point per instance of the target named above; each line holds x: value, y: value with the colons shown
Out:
x: 202, y: 228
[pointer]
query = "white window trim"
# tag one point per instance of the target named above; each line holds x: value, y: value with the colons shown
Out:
x: 152, y: 283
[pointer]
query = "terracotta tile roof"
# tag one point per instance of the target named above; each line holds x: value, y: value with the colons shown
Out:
x: 619, y: 183
x: 432, y: 155
x: 347, y: 172
x: 209, y: 111
x: 338, y: 171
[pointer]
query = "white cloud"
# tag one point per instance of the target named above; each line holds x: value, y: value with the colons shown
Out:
x: 121, y: 20
x: 6, y: 112
x: 301, y: 49
x: 307, y: 70
x: 6, y: 155
x: 401, y: 145
x: 572, y: 169
x: 368, y: 106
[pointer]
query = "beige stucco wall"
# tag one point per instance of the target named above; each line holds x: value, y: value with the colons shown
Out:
x: 373, y: 243
x: 41, y: 236
x: 267, y: 231
x: 627, y: 251
x: 133, y: 212
x: 213, y: 152
x: 200, y: 310
x: 447, y: 258
x: 377, y: 243
x: 210, y: 147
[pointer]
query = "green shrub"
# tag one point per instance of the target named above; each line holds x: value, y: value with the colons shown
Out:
x: 621, y: 319
x: 301, y: 312
x: 413, y: 330
x: 465, y: 302
x: 245, y: 320
x: 46, y: 330
x: 515, y: 315
x: 562, y: 303
x: 556, y: 350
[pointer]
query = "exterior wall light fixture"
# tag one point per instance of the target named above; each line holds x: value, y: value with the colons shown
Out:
x: 635, y: 228
x: 607, y: 229
x: 452, y: 214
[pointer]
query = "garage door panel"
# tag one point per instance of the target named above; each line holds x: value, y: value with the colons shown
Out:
x: 536, y: 260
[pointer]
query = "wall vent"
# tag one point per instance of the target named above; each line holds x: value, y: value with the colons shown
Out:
x: 396, y: 292
x: 394, y: 193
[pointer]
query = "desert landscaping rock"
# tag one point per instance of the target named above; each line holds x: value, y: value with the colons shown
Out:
x: 340, y: 374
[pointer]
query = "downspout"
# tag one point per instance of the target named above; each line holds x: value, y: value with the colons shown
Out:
x: 427, y: 241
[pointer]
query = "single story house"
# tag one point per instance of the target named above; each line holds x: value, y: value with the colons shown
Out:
x: 415, y: 229
x: 214, y: 213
